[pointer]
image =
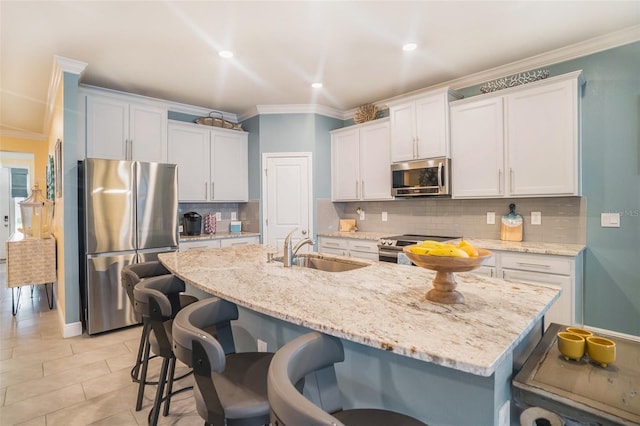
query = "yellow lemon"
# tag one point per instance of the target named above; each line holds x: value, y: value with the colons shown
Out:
x: 430, y: 244
x: 448, y: 252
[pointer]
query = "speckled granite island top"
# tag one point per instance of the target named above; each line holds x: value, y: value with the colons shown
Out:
x: 381, y: 305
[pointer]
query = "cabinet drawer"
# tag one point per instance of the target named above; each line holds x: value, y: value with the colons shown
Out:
x: 364, y: 246
x: 199, y: 245
x: 537, y: 278
x: 334, y: 243
x: 537, y: 263
x: 239, y: 241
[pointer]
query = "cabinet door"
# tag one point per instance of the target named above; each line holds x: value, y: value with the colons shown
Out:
x: 542, y: 140
x: 107, y: 129
x: 561, y: 311
x: 345, y: 176
x: 229, y: 166
x: 403, y: 132
x: 148, y: 133
x: 477, y: 153
x: 431, y: 126
x: 375, y: 170
x: 189, y: 149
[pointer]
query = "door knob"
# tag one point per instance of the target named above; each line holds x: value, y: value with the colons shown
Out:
x: 304, y: 232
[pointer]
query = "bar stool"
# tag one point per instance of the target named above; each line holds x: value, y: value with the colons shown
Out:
x: 132, y: 274
x: 316, y: 353
x: 157, y: 300
x: 231, y: 388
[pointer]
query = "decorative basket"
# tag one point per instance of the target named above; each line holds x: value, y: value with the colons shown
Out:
x: 514, y: 80
x: 365, y: 113
x: 217, y: 121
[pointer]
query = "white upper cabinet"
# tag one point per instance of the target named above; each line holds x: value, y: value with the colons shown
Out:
x: 360, y: 166
x: 120, y: 129
x: 212, y: 163
x: 519, y: 142
x: 420, y: 126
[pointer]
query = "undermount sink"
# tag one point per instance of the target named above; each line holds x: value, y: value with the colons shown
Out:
x: 314, y: 261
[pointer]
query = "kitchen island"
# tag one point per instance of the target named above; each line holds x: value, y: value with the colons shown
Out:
x: 402, y: 352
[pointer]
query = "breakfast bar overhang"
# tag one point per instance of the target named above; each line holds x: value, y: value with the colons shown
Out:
x: 444, y: 364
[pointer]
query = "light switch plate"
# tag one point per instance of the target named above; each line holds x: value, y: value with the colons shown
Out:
x: 234, y: 216
x: 218, y: 215
x: 610, y: 220
x: 536, y: 218
x: 384, y: 216
x: 362, y: 215
x: 491, y: 218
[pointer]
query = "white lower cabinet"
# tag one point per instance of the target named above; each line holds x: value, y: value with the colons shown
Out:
x: 239, y: 241
x: 199, y: 245
x: 563, y: 272
x: 352, y: 247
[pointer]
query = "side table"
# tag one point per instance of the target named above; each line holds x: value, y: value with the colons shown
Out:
x: 30, y: 261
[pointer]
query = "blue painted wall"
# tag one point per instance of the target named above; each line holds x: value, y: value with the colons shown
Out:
x: 70, y: 188
x: 292, y: 133
x: 611, y: 183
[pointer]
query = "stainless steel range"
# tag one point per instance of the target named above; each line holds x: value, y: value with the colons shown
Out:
x: 388, y: 248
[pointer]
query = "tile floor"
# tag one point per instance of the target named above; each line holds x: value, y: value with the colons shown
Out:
x: 48, y: 380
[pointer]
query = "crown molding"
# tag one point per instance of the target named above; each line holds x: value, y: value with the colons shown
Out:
x: 292, y: 109
x: 567, y: 53
x: 22, y: 134
x: 60, y: 66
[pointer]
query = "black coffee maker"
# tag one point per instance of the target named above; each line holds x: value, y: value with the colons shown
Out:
x: 192, y: 223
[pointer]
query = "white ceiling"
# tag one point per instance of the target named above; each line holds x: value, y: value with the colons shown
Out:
x: 168, y: 49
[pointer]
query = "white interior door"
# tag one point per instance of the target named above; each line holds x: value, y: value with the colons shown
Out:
x: 6, y: 203
x: 287, y: 196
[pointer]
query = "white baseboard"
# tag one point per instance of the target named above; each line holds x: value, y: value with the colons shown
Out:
x: 613, y: 333
x: 68, y: 330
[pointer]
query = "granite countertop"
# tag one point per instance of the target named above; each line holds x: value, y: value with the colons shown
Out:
x: 558, y: 249
x: 382, y: 305
x: 218, y: 236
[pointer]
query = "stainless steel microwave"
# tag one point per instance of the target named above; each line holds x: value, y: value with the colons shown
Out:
x: 421, y: 178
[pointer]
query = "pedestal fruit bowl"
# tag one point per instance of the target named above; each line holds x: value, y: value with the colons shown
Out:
x: 444, y: 284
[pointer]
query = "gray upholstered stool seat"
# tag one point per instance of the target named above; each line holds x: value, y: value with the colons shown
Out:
x: 316, y: 353
x: 231, y: 388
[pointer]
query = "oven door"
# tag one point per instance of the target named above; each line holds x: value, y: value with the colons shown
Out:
x: 420, y: 178
x: 387, y: 255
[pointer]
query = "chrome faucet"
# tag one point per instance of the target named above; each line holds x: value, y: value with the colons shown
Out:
x: 289, y: 251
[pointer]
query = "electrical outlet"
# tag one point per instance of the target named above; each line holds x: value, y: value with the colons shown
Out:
x: 536, y: 218
x: 262, y: 346
x: 361, y: 214
x: 491, y: 218
x: 218, y: 215
x: 610, y: 220
x: 234, y: 215
x: 384, y: 216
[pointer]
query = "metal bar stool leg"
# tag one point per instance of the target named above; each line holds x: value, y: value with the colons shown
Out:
x: 144, y: 338
x: 49, y: 300
x: 172, y: 370
x: 15, y: 305
x: 143, y: 376
x: 155, y: 410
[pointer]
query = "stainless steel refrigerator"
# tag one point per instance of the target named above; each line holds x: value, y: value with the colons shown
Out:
x: 129, y: 214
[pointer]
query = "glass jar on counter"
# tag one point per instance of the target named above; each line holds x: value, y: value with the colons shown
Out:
x: 37, y: 214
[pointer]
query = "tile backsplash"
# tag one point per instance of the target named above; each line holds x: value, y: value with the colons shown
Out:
x: 248, y: 213
x: 563, y: 218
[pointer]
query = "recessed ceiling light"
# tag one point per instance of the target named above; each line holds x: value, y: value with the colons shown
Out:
x: 409, y: 47
x: 226, y: 54
x: 316, y: 85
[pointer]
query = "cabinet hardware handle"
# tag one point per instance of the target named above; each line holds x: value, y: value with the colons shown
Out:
x: 510, y: 179
x: 361, y: 189
x: 205, y: 190
x: 534, y: 265
x: 362, y: 247
x: 499, y: 181
x: 357, y: 193
x: 415, y: 146
x: 329, y: 243
x: 491, y: 273
x: 212, y: 190
x: 130, y: 149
